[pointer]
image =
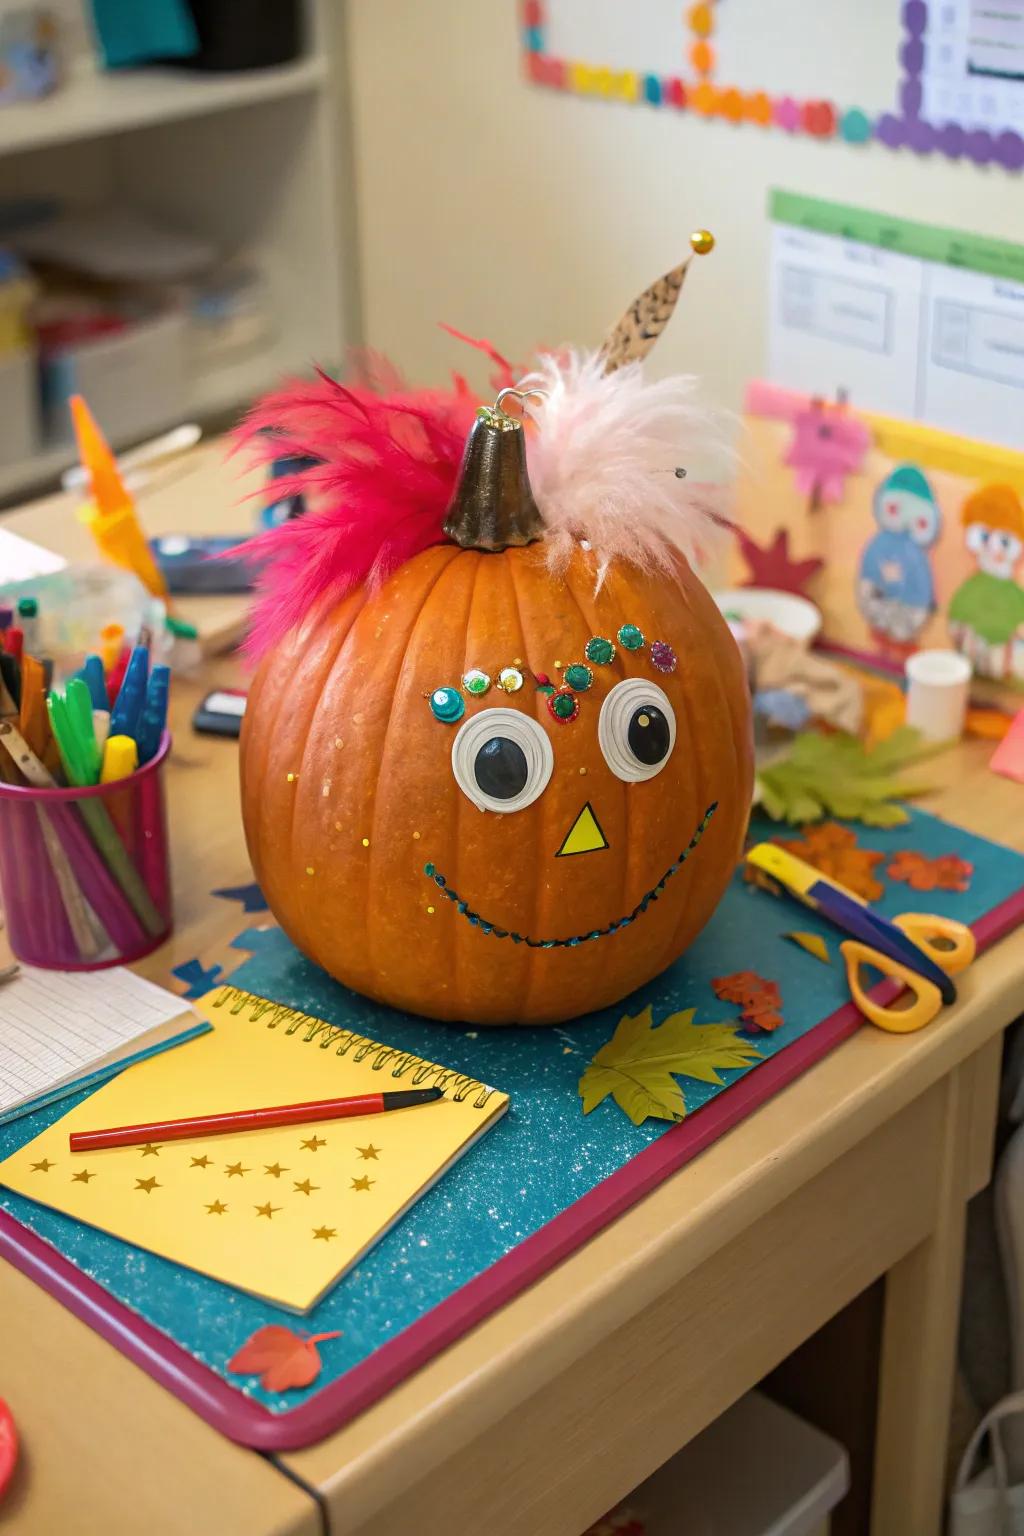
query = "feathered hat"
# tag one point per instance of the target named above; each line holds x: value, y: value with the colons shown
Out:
x: 392, y: 471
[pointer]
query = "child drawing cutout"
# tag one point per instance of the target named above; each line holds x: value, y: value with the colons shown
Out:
x: 895, y: 587
x: 986, y: 614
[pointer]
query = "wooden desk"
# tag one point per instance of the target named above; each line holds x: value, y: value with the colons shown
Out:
x: 202, y: 492
x: 557, y: 1406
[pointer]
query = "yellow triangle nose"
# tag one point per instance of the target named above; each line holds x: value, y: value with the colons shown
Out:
x: 584, y: 836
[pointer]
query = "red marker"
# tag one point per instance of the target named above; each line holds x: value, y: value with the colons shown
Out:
x: 251, y: 1119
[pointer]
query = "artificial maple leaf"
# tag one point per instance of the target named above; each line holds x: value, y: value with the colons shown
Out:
x: 947, y: 872
x: 770, y: 565
x: 834, y: 851
x: 638, y: 1064
x: 837, y: 775
x: 282, y: 1359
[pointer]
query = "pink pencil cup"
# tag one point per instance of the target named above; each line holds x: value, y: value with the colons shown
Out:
x: 85, y: 873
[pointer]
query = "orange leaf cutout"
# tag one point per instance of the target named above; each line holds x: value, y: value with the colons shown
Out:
x: 947, y: 872
x: 762, y: 1003
x: 833, y: 849
x: 280, y: 1358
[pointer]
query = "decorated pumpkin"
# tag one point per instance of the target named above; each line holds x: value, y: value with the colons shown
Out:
x: 496, y: 759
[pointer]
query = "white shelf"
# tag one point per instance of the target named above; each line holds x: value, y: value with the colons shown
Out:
x: 96, y: 105
x: 228, y: 387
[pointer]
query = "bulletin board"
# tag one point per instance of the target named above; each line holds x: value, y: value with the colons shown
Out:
x: 953, y: 69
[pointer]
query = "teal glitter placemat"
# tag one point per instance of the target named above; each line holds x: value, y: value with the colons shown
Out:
x: 535, y: 1163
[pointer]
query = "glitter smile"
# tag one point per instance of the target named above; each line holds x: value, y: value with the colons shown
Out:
x: 596, y: 933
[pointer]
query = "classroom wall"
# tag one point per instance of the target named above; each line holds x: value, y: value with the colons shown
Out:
x: 529, y: 216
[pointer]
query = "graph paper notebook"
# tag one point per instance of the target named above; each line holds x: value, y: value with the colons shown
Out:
x: 282, y: 1213
x: 57, y: 1025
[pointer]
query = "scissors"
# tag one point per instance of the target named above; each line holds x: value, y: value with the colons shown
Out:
x: 921, y: 950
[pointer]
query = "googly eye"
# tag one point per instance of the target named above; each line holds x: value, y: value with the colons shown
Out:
x: 502, y: 760
x: 976, y: 537
x: 636, y: 730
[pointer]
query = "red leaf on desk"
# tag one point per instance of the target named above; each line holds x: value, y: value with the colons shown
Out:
x: 8, y: 1446
x: 280, y: 1358
x: 761, y: 1000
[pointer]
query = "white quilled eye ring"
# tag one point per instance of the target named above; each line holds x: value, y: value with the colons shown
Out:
x: 636, y: 730
x: 502, y: 760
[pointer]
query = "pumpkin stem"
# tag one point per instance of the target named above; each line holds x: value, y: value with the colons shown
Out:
x: 493, y: 506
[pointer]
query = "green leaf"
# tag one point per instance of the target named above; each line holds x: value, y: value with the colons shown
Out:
x: 838, y: 776
x: 639, y: 1064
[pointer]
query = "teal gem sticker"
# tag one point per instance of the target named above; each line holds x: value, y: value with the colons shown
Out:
x: 630, y: 637
x: 578, y: 676
x: 447, y: 705
x: 599, y: 650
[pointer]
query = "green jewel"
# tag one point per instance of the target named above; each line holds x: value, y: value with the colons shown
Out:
x: 630, y: 637
x: 578, y: 676
x: 599, y: 650
x: 476, y: 682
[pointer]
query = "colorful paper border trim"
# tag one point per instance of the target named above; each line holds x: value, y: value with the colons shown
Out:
x: 820, y: 119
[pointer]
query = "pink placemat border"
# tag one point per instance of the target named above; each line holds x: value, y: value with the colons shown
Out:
x: 240, y: 1418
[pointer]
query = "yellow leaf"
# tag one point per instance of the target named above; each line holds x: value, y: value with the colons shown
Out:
x: 639, y: 1064
x: 813, y: 943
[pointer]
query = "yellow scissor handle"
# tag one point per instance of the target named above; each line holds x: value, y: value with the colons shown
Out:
x: 897, y: 1021
x: 944, y: 940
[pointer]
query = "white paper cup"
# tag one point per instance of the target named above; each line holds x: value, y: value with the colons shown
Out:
x: 937, y: 686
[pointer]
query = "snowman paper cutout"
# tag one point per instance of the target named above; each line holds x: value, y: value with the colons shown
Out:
x: 895, y: 586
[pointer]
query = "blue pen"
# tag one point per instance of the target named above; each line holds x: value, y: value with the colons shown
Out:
x: 92, y: 676
x: 127, y: 707
x: 154, y: 714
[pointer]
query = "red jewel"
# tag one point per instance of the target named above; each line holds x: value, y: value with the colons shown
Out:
x: 543, y: 681
x: 556, y: 704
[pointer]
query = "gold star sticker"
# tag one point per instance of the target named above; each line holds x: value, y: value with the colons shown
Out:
x: 314, y: 1142
x: 216, y: 1209
x: 149, y: 1150
x: 363, y: 1183
x: 148, y: 1185
x: 266, y: 1210
x: 304, y: 1187
x: 44, y: 1166
x: 231, y: 1169
x: 83, y: 1177
x: 274, y: 1169
x: 202, y: 1162
x: 368, y: 1154
x: 325, y: 1232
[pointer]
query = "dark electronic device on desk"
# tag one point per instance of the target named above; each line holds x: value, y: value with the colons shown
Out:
x: 220, y: 713
x: 188, y: 564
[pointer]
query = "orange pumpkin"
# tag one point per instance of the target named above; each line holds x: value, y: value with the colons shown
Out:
x: 350, y: 794
x: 496, y: 788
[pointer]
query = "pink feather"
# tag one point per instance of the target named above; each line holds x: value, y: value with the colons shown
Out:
x: 387, y: 467
x: 603, y: 462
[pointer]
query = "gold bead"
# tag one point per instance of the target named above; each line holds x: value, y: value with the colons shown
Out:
x: 702, y: 241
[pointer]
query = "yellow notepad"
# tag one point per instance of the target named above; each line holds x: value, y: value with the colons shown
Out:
x: 282, y: 1213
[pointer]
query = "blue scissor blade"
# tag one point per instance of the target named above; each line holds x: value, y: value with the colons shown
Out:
x: 882, y: 935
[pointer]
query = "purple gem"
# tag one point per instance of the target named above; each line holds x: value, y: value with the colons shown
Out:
x: 978, y: 145
x: 663, y: 656
x: 921, y: 136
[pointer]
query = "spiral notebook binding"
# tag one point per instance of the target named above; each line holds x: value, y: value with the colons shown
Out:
x: 343, y: 1041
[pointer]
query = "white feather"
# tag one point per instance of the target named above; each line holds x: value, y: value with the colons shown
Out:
x: 603, y: 458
